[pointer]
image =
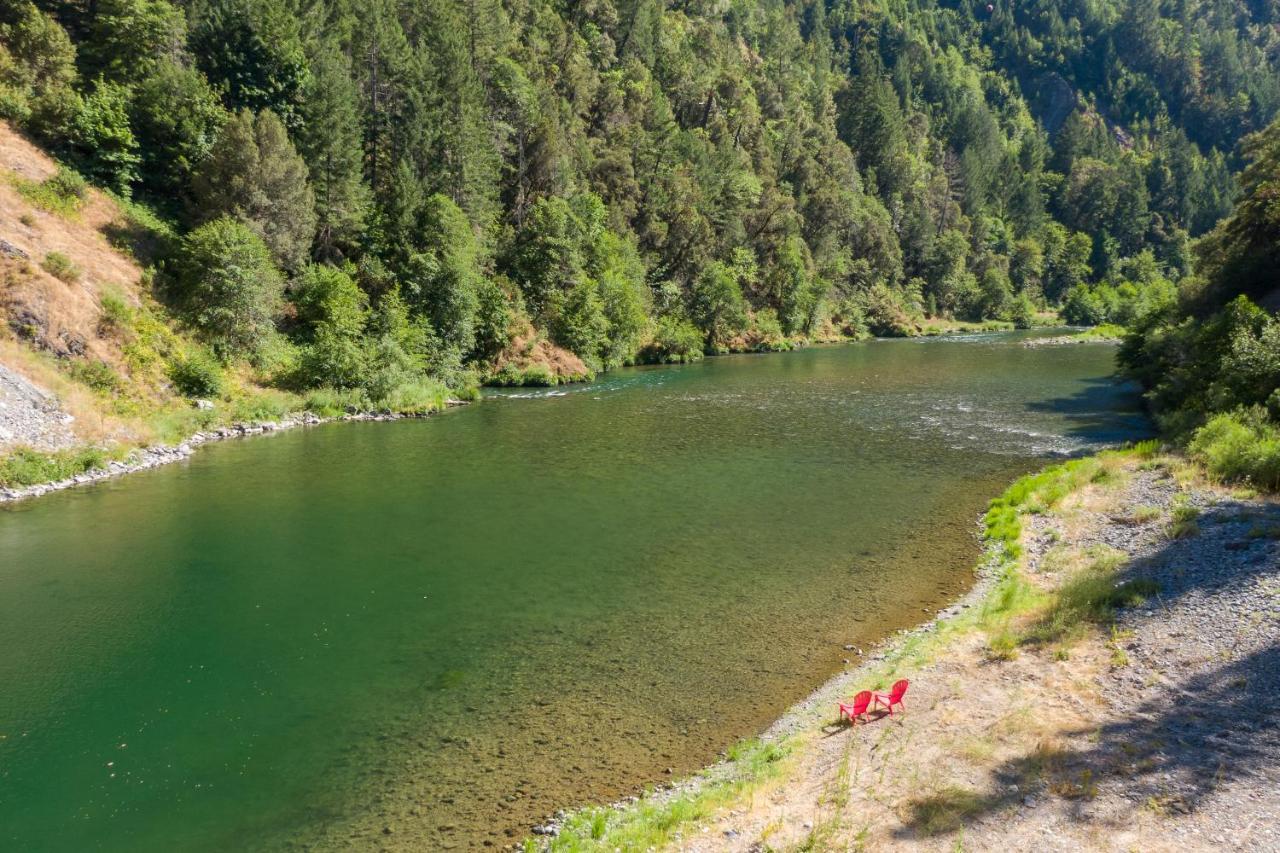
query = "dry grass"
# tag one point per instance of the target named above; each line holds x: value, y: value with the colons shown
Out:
x: 55, y: 296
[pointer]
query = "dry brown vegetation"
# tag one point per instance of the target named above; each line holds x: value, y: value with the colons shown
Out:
x: 61, y: 317
x: 530, y: 350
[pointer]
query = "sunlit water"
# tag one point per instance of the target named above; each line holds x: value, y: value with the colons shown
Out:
x: 450, y: 628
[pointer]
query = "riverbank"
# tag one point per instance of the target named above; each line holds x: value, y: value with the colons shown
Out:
x: 101, y: 466
x: 1114, y: 667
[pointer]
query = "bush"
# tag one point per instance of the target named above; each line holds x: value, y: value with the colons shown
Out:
x: 198, y: 374
x: 1241, y: 446
x: 98, y: 375
x: 675, y: 341
x: 331, y: 402
x: 27, y: 467
x: 230, y: 289
x: 61, y: 267
x: 117, y: 313
x: 534, y: 375
x: 62, y: 193
x: 67, y: 186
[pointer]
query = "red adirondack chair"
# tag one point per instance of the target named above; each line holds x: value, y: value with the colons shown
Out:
x: 893, y: 697
x: 856, y: 708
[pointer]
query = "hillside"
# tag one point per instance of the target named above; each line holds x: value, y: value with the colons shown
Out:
x: 59, y: 268
x: 406, y: 197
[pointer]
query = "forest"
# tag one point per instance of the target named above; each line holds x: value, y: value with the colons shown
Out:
x: 358, y: 196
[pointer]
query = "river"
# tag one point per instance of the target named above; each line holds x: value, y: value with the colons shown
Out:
x: 434, y: 633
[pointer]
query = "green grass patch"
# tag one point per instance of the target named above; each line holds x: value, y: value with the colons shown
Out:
x: 60, y: 267
x: 653, y: 822
x: 1183, y: 521
x: 98, y: 375
x: 27, y: 467
x: 62, y: 193
x: 1102, y: 332
x: 1090, y: 597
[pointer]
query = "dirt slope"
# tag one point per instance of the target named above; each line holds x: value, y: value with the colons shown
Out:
x: 51, y: 323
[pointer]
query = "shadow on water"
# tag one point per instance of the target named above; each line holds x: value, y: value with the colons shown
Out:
x: 1197, y: 730
x: 1105, y: 411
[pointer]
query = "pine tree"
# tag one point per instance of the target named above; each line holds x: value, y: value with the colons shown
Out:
x: 254, y: 174
x: 330, y: 142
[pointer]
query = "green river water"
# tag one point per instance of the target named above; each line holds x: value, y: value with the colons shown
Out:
x: 450, y: 628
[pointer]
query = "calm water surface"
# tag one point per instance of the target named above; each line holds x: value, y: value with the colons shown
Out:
x: 451, y: 628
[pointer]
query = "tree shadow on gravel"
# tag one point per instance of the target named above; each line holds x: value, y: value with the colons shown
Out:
x: 1183, y: 736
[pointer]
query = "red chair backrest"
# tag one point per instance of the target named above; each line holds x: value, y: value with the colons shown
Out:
x: 899, y: 688
x: 861, y: 701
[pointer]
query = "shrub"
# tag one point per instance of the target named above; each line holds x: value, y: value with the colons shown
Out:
x: 331, y: 402
x: 61, y: 267
x: 230, y: 289
x: 1241, y: 446
x: 262, y: 406
x: 27, y: 467
x: 61, y: 193
x: 67, y: 186
x: 98, y: 375
x: 198, y: 374
x: 419, y: 396
x: 117, y: 313
x: 675, y: 341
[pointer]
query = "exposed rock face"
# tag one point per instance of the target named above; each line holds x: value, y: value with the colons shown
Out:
x: 30, y: 416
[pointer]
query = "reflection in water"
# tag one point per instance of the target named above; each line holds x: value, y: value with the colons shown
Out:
x: 451, y: 628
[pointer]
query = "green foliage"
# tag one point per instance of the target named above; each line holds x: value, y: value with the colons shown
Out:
x: 1240, y: 447
x: 60, y: 267
x: 443, y: 282
x: 127, y: 38
x: 197, y: 374
x: 117, y: 313
x: 37, y: 60
x: 27, y: 467
x: 229, y: 288
x: 675, y: 341
x: 716, y: 305
x: 62, y: 193
x: 535, y: 375
x: 1123, y: 304
x: 177, y: 117
x: 97, y: 375
x: 93, y: 130
x: 253, y: 174
x: 253, y: 48
x: 330, y: 142
x: 614, y: 174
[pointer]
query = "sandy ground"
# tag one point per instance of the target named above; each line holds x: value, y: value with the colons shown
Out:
x: 1157, y: 733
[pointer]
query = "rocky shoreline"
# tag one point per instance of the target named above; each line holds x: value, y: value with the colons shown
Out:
x: 144, y: 459
x: 1068, y: 340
